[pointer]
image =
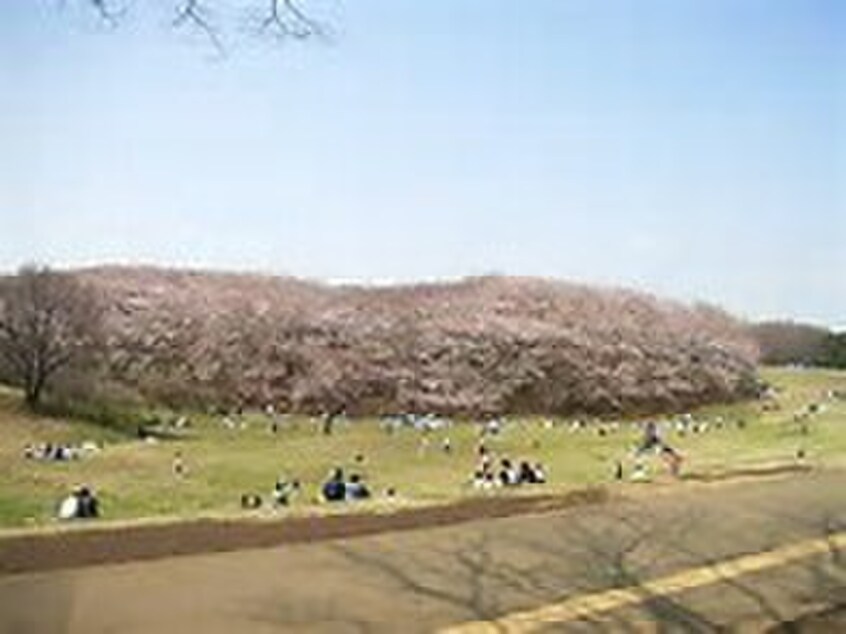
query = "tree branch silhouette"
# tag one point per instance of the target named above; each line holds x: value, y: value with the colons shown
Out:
x: 283, y: 19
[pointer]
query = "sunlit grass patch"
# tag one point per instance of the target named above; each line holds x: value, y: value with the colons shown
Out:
x: 135, y: 480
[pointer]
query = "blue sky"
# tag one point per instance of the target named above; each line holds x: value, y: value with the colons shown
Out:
x: 694, y: 149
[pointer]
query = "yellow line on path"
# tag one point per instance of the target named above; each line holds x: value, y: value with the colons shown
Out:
x: 589, y: 605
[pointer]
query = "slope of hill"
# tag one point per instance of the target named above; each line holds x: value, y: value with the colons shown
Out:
x: 480, y: 346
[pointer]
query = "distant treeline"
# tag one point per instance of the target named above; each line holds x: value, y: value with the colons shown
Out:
x: 783, y: 343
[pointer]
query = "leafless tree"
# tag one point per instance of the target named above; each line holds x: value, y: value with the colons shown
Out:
x: 48, y: 320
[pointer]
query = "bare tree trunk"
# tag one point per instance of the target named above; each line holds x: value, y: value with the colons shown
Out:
x: 33, y: 390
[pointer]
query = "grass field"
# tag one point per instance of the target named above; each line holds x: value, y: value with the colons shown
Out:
x: 134, y: 479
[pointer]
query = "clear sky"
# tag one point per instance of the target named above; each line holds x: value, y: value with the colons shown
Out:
x: 695, y: 149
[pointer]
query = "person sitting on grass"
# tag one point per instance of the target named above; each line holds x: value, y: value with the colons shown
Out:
x: 69, y: 507
x: 250, y: 501
x: 89, y: 506
x: 540, y: 473
x: 356, y: 489
x: 508, y: 475
x: 485, y: 459
x: 525, y: 473
x: 531, y: 474
x: 284, y: 490
x: 483, y: 480
x: 334, y: 489
x: 81, y: 504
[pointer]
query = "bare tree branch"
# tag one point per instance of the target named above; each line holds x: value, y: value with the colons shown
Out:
x: 106, y: 12
x: 191, y: 12
x: 283, y: 19
x: 304, y: 26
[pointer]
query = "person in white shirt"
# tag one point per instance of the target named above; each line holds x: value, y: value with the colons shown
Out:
x: 69, y: 507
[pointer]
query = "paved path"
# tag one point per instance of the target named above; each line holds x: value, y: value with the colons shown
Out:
x: 590, y: 606
x: 487, y: 571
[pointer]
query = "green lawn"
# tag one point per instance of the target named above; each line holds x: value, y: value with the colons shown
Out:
x: 134, y: 478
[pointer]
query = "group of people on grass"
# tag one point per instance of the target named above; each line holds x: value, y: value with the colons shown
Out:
x: 505, y: 472
x: 490, y: 472
x: 281, y: 495
x: 59, y: 452
x: 339, y: 488
x: 652, y: 442
x: 82, y: 503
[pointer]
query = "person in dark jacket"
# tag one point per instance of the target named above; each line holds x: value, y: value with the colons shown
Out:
x: 334, y: 489
x: 87, y: 504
